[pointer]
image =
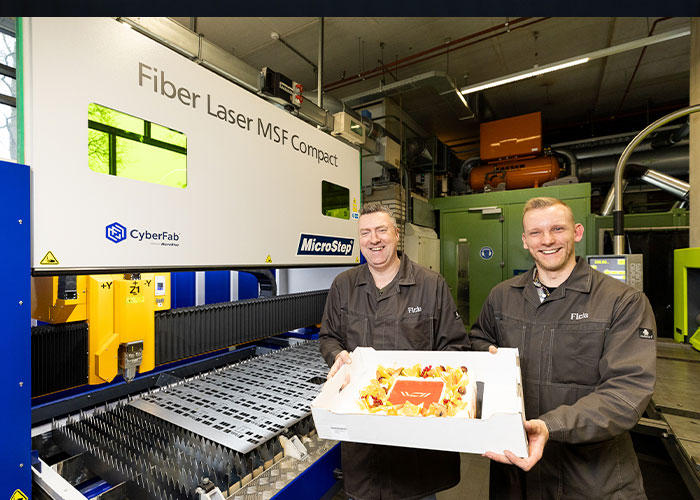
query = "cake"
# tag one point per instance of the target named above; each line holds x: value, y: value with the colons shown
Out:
x: 440, y: 391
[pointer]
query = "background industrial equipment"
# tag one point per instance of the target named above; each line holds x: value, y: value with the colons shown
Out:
x: 480, y: 239
x: 511, y: 150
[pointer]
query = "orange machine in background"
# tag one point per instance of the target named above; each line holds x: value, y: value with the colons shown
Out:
x: 512, y: 150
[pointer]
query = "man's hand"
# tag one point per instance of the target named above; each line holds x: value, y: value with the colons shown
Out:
x: 537, y: 434
x: 342, y: 358
x: 493, y: 349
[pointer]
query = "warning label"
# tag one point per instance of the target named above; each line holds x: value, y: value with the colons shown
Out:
x: 48, y: 260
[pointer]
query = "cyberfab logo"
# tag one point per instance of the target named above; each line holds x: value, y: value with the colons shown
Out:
x: 115, y: 232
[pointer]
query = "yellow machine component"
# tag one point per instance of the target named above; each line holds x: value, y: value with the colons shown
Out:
x: 59, y: 299
x: 119, y: 310
x: 134, y: 303
x: 686, y: 296
x: 102, y: 343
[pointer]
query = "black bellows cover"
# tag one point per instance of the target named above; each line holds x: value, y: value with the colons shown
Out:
x: 59, y: 357
x: 190, y: 331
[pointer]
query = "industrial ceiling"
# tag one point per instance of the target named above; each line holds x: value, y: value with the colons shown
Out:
x: 619, y: 93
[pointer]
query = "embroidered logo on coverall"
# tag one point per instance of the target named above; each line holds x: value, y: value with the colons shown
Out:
x: 646, y: 333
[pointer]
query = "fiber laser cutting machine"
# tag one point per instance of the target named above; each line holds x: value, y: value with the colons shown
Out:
x: 176, y: 170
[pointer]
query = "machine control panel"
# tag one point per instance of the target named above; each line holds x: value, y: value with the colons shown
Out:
x: 626, y: 268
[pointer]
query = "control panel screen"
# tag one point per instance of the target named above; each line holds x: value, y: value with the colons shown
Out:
x: 613, y: 265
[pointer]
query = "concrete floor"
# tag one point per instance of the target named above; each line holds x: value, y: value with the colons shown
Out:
x: 474, y: 484
x: 475, y: 480
x: 661, y: 479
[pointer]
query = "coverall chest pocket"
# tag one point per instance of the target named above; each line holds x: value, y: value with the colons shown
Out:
x: 414, y: 333
x: 511, y: 333
x: 356, y: 328
x: 576, y: 352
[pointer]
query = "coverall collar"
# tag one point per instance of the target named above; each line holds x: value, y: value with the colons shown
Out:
x: 405, y: 276
x: 580, y: 280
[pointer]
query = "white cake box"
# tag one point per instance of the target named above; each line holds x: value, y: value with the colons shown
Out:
x: 338, y: 416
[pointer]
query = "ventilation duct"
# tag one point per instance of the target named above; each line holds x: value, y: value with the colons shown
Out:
x: 436, y: 81
x: 672, y: 161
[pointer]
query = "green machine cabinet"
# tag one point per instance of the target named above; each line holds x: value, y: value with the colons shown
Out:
x: 686, y: 296
x: 481, y: 239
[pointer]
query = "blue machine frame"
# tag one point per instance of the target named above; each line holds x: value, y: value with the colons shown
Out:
x: 15, y: 309
x: 316, y: 481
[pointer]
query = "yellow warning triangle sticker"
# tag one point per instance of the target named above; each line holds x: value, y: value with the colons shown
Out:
x: 269, y: 259
x: 357, y: 259
x: 18, y: 495
x: 49, y: 259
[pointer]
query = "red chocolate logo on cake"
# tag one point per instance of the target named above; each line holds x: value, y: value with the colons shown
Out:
x: 416, y: 392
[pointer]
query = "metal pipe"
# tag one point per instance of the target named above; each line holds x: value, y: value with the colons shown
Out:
x: 320, y: 63
x: 582, y: 146
x: 430, y: 53
x: 670, y: 184
x: 279, y: 38
x: 573, y: 161
x: 676, y: 187
x: 671, y: 161
x: 617, y: 149
x: 609, y: 202
x: 683, y: 132
x: 618, y: 213
x: 639, y: 61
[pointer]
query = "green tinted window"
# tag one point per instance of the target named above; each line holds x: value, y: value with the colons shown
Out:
x: 8, y: 90
x: 122, y: 121
x: 127, y: 146
x: 98, y: 151
x: 170, y: 136
x: 335, y: 200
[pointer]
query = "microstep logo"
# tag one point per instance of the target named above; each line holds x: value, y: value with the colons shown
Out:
x: 116, y: 233
x: 313, y: 244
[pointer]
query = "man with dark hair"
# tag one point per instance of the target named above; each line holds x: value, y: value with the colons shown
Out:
x: 393, y: 304
x: 588, y: 361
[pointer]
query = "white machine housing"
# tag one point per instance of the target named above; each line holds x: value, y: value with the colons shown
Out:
x: 253, y: 194
x: 422, y: 245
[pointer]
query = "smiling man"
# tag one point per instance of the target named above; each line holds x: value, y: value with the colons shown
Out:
x: 390, y: 303
x: 588, y: 364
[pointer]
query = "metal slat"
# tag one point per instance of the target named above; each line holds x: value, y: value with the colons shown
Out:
x: 220, y: 425
x: 246, y: 404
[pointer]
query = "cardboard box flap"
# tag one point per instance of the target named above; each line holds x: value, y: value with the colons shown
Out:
x: 337, y: 414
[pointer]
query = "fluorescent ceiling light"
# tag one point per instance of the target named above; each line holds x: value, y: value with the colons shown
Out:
x: 522, y: 76
x: 575, y: 61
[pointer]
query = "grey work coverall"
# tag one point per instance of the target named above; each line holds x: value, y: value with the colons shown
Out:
x: 588, y: 361
x: 414, y: 312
